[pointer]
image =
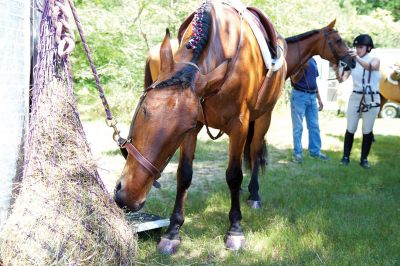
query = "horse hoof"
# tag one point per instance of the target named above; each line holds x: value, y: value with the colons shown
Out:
x: 234, y: 242
x: 168, y: 246
x: 254, y: 204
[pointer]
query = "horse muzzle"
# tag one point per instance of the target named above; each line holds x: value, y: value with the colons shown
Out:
x: 119, y: 199
x: 347, y: 63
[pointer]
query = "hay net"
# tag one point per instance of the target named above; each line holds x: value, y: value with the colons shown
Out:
x: 63, y: 214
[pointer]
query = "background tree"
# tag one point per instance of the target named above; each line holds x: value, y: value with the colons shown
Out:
x: 120, y: 33
x: 368, y: 6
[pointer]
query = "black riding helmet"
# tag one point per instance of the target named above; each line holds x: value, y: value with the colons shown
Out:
x: 364, y: 39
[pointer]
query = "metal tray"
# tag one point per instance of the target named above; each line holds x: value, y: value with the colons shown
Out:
x: 146, y: 221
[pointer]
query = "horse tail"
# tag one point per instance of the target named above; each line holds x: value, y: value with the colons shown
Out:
x: 247, y: 145
x: 147, y: 74
x: 262, y: 152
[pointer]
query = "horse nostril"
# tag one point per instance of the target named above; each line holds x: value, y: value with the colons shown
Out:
x: 118, y: 186
x: 118, y: 199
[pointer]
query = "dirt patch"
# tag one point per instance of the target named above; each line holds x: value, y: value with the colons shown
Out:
x: 110, y: 164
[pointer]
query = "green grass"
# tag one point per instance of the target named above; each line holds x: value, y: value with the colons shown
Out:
x: 315, y: 213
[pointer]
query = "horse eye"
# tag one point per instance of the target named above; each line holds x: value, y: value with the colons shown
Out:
x: 339, y: 40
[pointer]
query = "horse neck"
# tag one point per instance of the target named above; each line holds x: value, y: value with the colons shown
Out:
x: 299, y: 52
x: 210, y: 57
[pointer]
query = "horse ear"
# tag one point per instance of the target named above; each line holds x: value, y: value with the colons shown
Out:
x: 166, y: 57
x: 332, y: 24
x: 207, y: 84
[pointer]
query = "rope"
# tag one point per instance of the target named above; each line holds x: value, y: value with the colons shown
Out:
x: 110, y: 120
x: 91, y: 62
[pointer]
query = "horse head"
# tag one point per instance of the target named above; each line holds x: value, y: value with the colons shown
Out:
x: 325, y: 42
x: 168, y: 109
x: 338, y: 51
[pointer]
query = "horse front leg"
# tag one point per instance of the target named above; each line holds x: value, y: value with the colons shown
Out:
x: 234, y: 239
x: 258, y: 152
x: 171, y: 240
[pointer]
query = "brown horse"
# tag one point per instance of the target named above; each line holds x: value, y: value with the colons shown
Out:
x: 325, y: 42
x: 234, y: 91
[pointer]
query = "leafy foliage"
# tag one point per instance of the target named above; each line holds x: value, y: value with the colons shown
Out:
x: 366, y: 6
x: 120, y: 32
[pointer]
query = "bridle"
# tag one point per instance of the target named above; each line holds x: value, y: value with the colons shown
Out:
x: 331, y: 47
x: 127, y: 147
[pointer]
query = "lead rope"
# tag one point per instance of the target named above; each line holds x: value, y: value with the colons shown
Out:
x: 125, y: 146
x: 110, y: 120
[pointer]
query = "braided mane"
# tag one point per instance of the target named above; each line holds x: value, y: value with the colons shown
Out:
x: 201, y: 26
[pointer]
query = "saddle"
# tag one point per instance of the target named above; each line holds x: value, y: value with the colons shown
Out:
x: 266, y: 28
x: 261, y: 20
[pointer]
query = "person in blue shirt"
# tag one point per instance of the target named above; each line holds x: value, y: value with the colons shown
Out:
x: 303, y: 103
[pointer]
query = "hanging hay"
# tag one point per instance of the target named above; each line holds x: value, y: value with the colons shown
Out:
x: 63, y: 214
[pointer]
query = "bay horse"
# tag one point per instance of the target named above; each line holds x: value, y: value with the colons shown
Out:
x: 218, y: 79
x: 325, y: 42
x: 329, y: 45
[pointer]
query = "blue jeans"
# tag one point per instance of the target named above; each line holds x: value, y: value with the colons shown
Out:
x: 305, y: 105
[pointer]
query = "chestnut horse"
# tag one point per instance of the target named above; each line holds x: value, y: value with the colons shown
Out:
x: 234, y: 91
x: 325, y: 42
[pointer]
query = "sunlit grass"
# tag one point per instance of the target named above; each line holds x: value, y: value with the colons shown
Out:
x: 315, y: 213
x: 312, y: 214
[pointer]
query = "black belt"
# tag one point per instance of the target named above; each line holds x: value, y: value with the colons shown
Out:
x: 369, y: 92
x: 306, y: 91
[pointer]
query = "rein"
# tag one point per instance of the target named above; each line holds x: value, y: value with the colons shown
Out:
x: 220, y: 133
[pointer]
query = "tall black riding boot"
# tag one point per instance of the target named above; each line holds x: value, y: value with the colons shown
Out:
x: 365, y: 148
x: 348, y: 144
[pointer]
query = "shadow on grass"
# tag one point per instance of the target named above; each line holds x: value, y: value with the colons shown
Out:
x: 316, y: 212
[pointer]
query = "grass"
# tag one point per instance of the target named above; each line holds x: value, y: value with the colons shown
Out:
x: 314, y: 213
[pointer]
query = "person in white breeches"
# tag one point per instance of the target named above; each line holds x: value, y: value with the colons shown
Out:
x: 364, y: 101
